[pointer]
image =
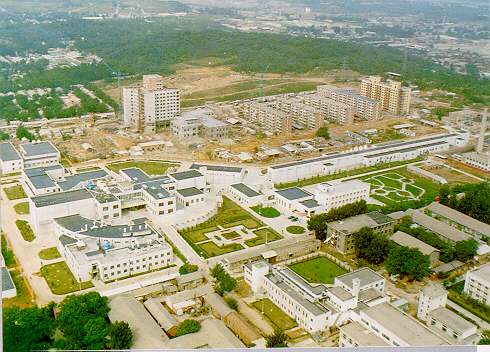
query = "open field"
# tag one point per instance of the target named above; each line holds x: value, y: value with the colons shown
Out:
x: 295, y: 230
x: 150, y: 167
x: 15, y: 192
x: 318, y: 270
x: 280, y: 319
x: 61, y: 280
x: 210, y: 249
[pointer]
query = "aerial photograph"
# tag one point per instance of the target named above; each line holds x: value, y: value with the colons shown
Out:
x: 245, y: 174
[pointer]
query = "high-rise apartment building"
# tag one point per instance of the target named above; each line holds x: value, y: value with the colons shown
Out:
x: 151, y: 105
x: 332, y: 110
x: 364, y: 107
x: 393, y: 97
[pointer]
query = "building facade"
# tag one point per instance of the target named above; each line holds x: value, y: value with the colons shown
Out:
x: 393, y: 97
x: 477, y: 283
x: 10, y: 159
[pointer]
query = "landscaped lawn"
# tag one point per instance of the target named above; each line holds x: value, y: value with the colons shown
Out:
x: 61, y: 280
x: 318, y: 270
x: 210, y: 249
x: 280, y: 319
x: 262, y: 234
x: 7, y: 254
x: 388, y: 182
x: 23, y: 298
x: 15, y: 192
x: 22, y: 208
x: 267, y: 212
x: 296, y: 230
x: 414, y: 190
x: 230, y: 235
x: 25, y: 230
x: 150, y: 167
x: 49, y: 253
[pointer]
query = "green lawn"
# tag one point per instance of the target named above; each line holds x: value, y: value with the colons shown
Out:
x: 388, y: 182
x: 15, y: 192
x: 150, y: 167
x: 230, y: 235
x: 49, y: 253
x: 318, y: 270
x: 296, y: 230
x: 25, y: 230
x: 23, y: 298
x: 268, y: 212
x: 280, y: 319
x: 61, y: 280
x: 414, y: 190
x: 210, y: 249
x: 22, y: 208
x: 262, y: 234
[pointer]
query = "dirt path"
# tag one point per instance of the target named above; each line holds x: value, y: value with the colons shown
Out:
x: 255, y: 317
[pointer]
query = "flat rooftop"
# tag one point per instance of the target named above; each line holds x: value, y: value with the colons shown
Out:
x: 293, y: 193
x: 219, y: 168
x: 135, y: 174
x: 184, y: 175
x: 451, y: 319
x: 246, y: 190
x: 403, y: 326
x: 363, y: 336
x: 31, y: 150
x: 74, y: 180
x: 366, y: 275
x: 353, y: 224
x: 189, y: 192
x: 60, y: 198
x: 8, y: 152
x: 482, y: 272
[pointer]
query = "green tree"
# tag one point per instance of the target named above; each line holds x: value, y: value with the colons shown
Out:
x: 4, y: 136
x: 95, y: 333
x: 22, y: 132
x: 120, y: 336
x: 465, y: 249
x: 277, y: 339
x: 408, y: 261
x: 444, y: 193
x: 323, y: 132
x: 232, y: 303
x: 370, y: 246
x: 225, y: 284
x: 485, y: 338
x: 217, y: 271
x: 27, y: 329
x: 187, y: 268
x: 188, y: 326
x: 318, y: 224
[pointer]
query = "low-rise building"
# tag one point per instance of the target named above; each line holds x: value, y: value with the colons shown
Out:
x: 220, y: 173
x: 453, y: 325
x: 340, y: 232
x: 404, y: 239
x: 457, y: 219
x: 295, y: 199
x: 39, y: 154
x: 245, y: 194
x: 335, y: 196
x: 10, y: 159
x: 477, y: 283
x: 8, y: 288
x: 480, y: 161
x: 199, y: 122
x: 431, y: 297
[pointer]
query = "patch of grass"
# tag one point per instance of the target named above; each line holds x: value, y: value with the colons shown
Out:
x: 25, y: 230
x: 7, y: 254
x: 318, y: 270
x: 49, y: 253
x: 88, y: 168
x: 230, y: 235
x: 296, y: 230
x: 22, y: 208
x: 15, y: 192
x: 261, y: 237
x: 268, y: 212
x: 150, y: 167
x: 23, y: 298
x: 248, y: 222
x: 388, y: 182
x: 414, y: 190
x: 210, y: 249
x: 65, y: 163
x: 280, y: 319
x: 61, y: 280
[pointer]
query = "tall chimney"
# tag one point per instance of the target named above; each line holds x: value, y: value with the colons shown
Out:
x: 483, y: 127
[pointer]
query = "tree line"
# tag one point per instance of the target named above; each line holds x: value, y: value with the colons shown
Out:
x: 475, y: 202
x: 77, y: 323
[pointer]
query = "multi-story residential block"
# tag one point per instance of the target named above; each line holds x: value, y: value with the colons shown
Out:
x: 431, y: 297
x: 332, y: 110
x: 10, y: 159
x: 393, y: 97
x: 459, y: 220
x: 271, y: 119
x: 39, y: 154
x: 477, y: 283
x: 303, y: 115
x: 151, y: 105
x: 340, y: 232
x: 364, y: 107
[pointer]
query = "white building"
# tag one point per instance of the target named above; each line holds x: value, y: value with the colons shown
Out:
x: 245, y: 194
x: 39, y: 154
x: 334, y: 196
x: 220, y: 173
x: 10, y: 159
x: 431, y: 297
x: 151, y: 105
x: 480, y: 161
x: 199, y: 122
x: 295, y: 199
x: 477, y: 283
x: 450, y: 323
x: 190, y: 196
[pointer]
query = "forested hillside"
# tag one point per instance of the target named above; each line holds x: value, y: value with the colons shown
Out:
x: 140, y: 46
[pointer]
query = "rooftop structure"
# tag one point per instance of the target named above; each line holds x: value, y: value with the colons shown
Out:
x: 39, y: 154
x: 368, y: 279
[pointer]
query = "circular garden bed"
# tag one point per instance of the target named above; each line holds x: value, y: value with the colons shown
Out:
x: 295, y: 230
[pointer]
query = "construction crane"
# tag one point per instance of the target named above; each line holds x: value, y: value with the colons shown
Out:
x: 118, y: 74
x: 261, y: 93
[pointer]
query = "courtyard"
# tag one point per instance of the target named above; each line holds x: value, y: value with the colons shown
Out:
x: 319, y: 270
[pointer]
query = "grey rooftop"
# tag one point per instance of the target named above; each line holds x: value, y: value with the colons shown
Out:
x: 63, y: 197
x: 184, y: 175
x: 8, y: 152
x: 366, y: 275
x: 217, y: 168
x: 293, y: 193
x: 31, y: 150
x: 189, y: 192
x: 246, y: 190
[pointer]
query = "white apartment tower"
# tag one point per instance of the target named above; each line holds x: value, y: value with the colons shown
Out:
x: 393, y: 97
x: 151, y: 105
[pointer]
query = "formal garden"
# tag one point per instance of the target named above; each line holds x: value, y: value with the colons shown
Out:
x: 318, y: 270
x: 231, y: 229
